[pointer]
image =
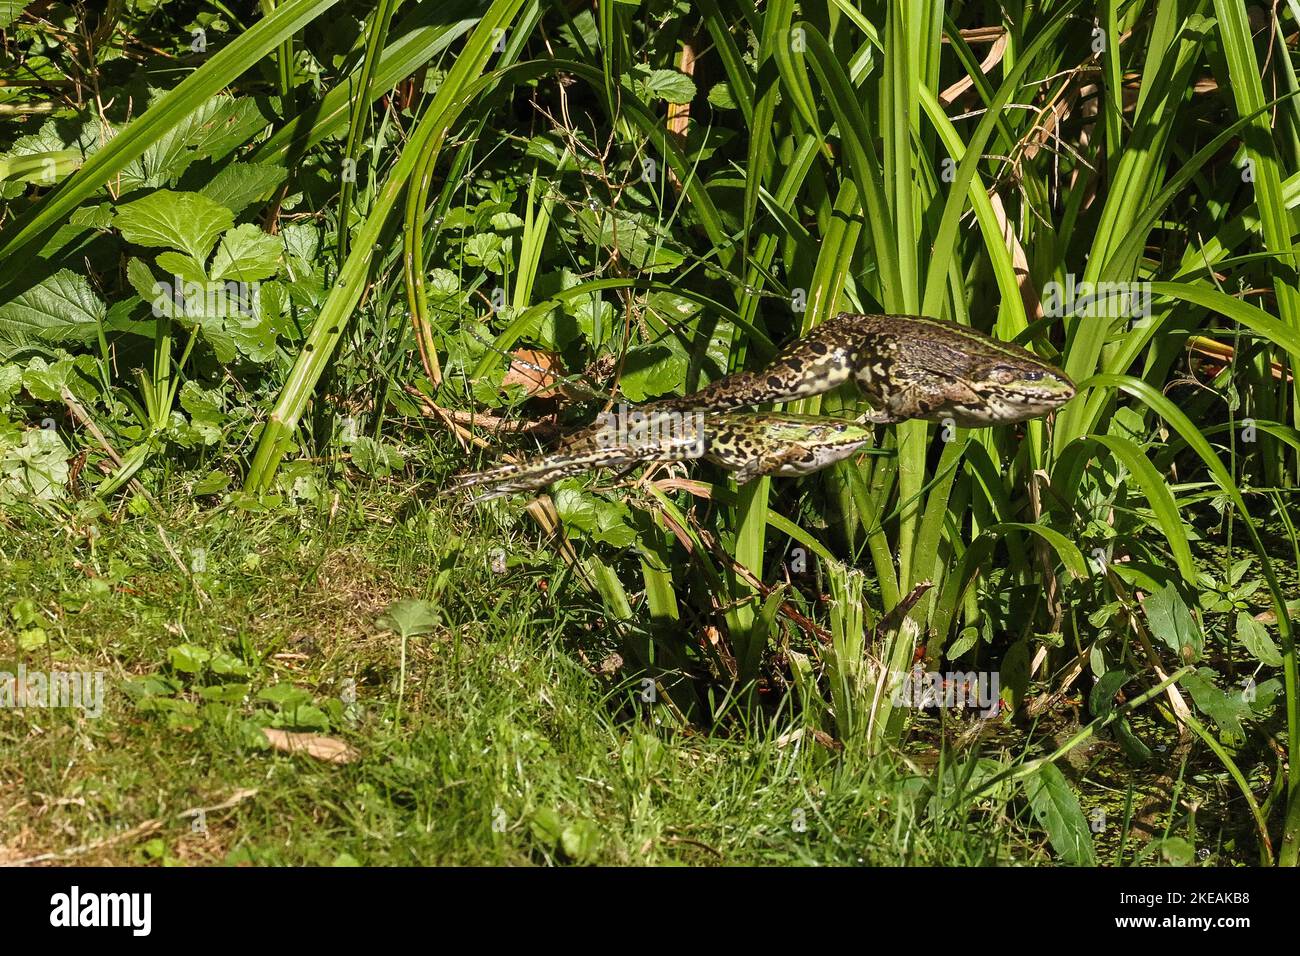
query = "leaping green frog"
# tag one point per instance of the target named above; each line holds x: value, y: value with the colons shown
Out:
x: 906, y: 366
x: 750, y: 444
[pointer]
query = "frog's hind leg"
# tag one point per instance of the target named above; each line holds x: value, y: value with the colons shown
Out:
x: 820, y: 361
x: 538, y: 472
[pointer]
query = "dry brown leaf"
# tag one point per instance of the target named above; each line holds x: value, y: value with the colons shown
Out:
x: 329, y: 749
x: 536, y: 371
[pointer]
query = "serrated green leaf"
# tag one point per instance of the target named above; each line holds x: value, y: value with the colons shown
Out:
x: 35, y: 469
x: 45, y: 381
x: 11, y: 10
x: 377, y: 459
x: 668, y: 85
x: 61, y: 308
x: 236, y: 185
x: 246, y: 254
x: 166, y: 219
x: 650, y: 371
x: 179, y: 264
x: 11, y: 381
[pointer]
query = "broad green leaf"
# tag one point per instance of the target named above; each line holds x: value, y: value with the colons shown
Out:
x: 1226, y: 709
x: 1173, y: 625
x: 486, y: 249
x: 1170, y: 851
x: 11, y: 381
x: 601, y: 520
x: 237, y: 184
x: 167, y: 219
x: 221, y: 124
x: 411, y: 617
x: 93, y: 217
x: 668, y: 85
x: 206, y: 415
x: 160, y: 295
x: 45, y: 381
x: 246, y: 254
x: 36, y: 469
x: 720, y: 97
x: 179, y: 265
x: 580, y: 840
x: 1057, y: 810
x: 377, y: 459
x: 254, y: 338
x: 62, y: 308
x: 224, y: 66
x: 188, y: 658
x: 11, y: 10
x: 1102, y: 701
x: 285, y: 696
x: 1253, y: 636
x: 650, y: 371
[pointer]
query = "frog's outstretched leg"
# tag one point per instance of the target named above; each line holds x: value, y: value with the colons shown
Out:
x: 822, y: 360
x: 538, y: 472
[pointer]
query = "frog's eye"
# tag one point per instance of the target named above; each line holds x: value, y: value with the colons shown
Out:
x: 1005, y: 375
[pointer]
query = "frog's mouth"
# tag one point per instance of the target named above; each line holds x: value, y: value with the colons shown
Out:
x: 999, y: 408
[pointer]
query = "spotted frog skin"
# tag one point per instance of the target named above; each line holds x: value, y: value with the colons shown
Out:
x: 907, y: 366
x: 748, y: 444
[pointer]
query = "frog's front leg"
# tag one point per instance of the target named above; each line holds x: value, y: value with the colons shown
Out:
x: 794, y: 461
x: 929, y: 397
x: 769, y: 463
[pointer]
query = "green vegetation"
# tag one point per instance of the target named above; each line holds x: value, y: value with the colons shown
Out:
x: 268, y: 283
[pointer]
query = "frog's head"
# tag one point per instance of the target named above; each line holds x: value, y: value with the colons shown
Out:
x: 1016, y: 391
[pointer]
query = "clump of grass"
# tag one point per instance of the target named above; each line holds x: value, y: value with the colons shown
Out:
x: 512, y: 745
